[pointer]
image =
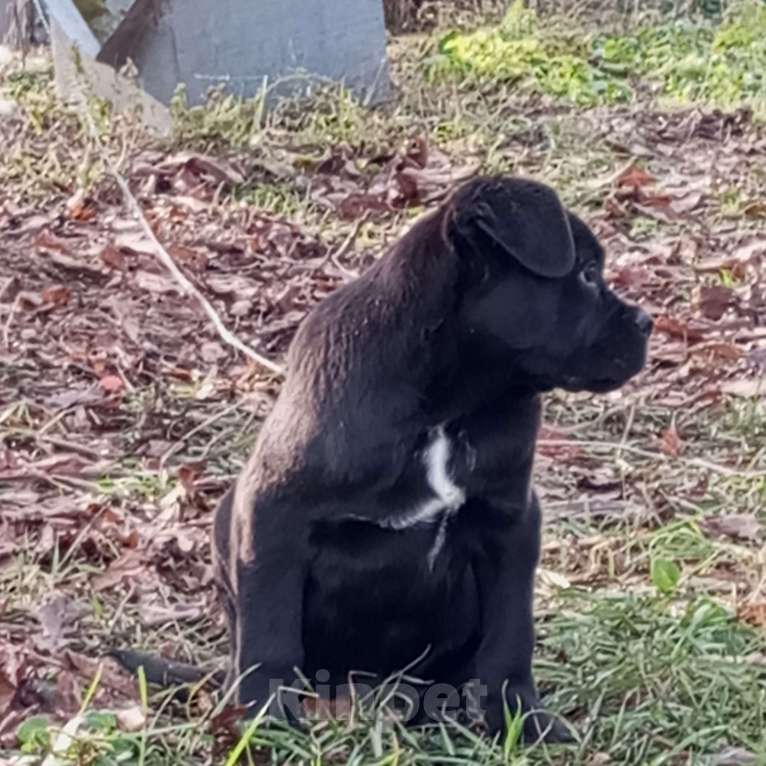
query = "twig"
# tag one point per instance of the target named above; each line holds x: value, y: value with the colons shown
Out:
x: 54, y: 441
x: 333, y: 255
x: 609, y: 180
x: 7, y: 325
x: 626, y: 430
x: 696, y: 462
x: 199, y: 427
x: 57, y: 480
x: 162, y: 254
x: 6, y: 285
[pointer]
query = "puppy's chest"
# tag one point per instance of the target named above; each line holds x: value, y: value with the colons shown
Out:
x: 440, y: 495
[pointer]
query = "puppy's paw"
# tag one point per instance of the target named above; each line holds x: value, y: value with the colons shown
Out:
x: 271, y: 694
x: 538, y: 725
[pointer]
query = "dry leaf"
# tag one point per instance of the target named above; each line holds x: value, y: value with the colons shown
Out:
x: 155, y: 283
x: 753, y: 614
x: 686, y: 202
x: 715, y: 300
x: 56, y: 617
x: 670, y: 442
x: 129, y: 566
x: 743, y: 526
x: 755, y: 209
x: 746, y: 388
x: 112, y: 384
x: 131, y: 719
x: 113, y: 258
x: 635, y: 177
x: 57, y: 295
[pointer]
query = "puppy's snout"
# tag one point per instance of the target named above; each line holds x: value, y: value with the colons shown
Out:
x: 644, y: 322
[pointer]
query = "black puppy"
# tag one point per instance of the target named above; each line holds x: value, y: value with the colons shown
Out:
x: 387, y: 511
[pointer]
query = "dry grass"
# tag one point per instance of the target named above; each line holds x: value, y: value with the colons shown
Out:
x: 122, y: 420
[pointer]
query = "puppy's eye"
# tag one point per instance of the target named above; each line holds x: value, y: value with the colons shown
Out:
x: 589, y: 275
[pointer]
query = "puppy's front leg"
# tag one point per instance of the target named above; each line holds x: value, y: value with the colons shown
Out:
x: 268, y: 645
x: 504, y: 658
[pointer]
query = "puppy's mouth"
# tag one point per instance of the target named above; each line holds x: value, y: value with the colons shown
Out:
x: 603, y: 384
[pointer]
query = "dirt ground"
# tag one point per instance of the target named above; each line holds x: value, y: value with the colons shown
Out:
x: 124, y: 415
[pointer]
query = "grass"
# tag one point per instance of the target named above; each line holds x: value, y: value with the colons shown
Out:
x: 656, y: 680
x: 643, y: 640
x: 685, y: 61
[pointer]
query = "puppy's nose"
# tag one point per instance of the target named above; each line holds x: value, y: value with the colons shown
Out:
x: 644, y: 322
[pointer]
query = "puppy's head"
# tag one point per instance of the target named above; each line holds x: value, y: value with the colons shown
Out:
x: 533, y: 292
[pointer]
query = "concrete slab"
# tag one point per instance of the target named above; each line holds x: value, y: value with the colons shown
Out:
x: 243, y: 46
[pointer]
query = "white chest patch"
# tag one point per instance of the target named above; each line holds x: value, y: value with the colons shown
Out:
x: 446, y: 499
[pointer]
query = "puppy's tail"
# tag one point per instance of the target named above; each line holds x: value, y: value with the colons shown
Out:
x: 166, y: 673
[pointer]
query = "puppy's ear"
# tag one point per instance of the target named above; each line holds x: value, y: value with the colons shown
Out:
x: 524, y: 218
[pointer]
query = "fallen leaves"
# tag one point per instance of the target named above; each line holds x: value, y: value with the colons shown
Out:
x: 13, y: 663
x: 747, y: 388
x: 678, y: 328
x: 416, y: 175
x: 634, y: 177
x: 57, y: 617
x: 129, y: 566
x: 670, y: 442
x: 112, y: 384
x: 753, y: 614
x: 738, y: 526
x: 715, y: 300
x: 639, y: 189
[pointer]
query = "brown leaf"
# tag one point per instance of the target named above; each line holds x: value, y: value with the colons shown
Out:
x: 129, y: 566
x: 715, y: 300
x: 112, y: 384
x: 677, y: 328
x: 631, y: 277
x: 7, y: 692
x: 634, y: 177
x: 755, y: 209
x: 188, y: 473
x: 13, y: 670
x: 80, y: 208
x: 670, y: 442
x: 56, y: 295
x: 113, y: 258
x: 725, y: 351
x: 202, y: 164
x: 192, y: 259
x: 744, y: 526
x: 155, y: 283
x: 753, y: 613
x: 554, y: 443
x: 746, y: 388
